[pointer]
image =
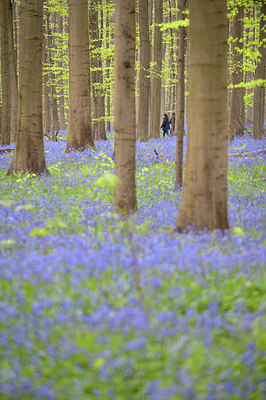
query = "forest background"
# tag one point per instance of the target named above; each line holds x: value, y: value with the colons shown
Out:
x: 95, y: 306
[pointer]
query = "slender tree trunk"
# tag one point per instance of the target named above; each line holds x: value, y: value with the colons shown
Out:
x: 53, y: 103
x: 79, y: 134
x: 144, y: 80
x: 108, y: 78
x: 108, y: 66
x: 237, y: 109
x: 29, y: 150
x: 5, y: 73
x: 180, y: 107
x: 204, y: 197
x: 53, y: 77
x: 249, y: 108
x: 125, y: 113
x: 97, y: 74
x: 259, y: 91
x: 13, y: 78
x: 172, y: 62
x: 61, y: 95
x: 249, y: 40
x: 155, y: 111
x: 47, y: 120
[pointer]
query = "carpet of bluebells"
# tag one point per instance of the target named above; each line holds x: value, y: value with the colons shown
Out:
x: 95, y: 307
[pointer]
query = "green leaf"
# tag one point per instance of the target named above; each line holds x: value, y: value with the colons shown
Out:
x: 237, y: 231
x: 108, y: 181
x: 55, y: 224
x: 7, y: 203
x: 8, y: 244
x: 175, y: 24
x: 26, y: 207
x: 39, y: 232
x: 249, y: 85
x: 84, y: 170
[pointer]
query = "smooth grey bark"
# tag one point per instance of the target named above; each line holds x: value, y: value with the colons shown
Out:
x: 125, y: 113
x: 259, y: 91
x: 237, y: 109
x: 180, y: 106
x: 144, y: 80
x: 29, y: 149
x: 79, y: 134
x: 204, y: 196
x: 5, y: 73
x: 98, y: 107
x: 155, y: 110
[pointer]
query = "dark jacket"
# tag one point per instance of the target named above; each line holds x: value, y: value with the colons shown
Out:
x: 165, y: 125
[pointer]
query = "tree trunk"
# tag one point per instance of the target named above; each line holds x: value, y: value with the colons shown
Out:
x: 97, y: 74
x: 13, y: 78
x: 249, y: 41
x: 125, y: 113
x: 5, y: 73
x: 237, y: 110
x: 108, y: 65
x: 259, y: 91
x: 180, y: 107
x: 79, y: 134
x: 55, y: 116
x: 204, y: 197
x: 29, y: 150
x: 249, y: 91
x: 47, y: 120
x: 144, y: 80
x: 61, y: 95
x: 172, y: 66
x: 155, y: 111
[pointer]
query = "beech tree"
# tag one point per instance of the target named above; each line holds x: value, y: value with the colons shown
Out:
x: 5, y: 74
x: 124, y: 102
x: 180, y: 106
x: 144, y: 81
x: 29, y: 150
x: 259, y: 91
x: 79, y: 134
x: 237, y: 110
x: 98, y: 111
x: 155, y: 110
x: 204, y: 197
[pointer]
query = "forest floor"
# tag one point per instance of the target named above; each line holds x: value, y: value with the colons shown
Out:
x: 93, y: 307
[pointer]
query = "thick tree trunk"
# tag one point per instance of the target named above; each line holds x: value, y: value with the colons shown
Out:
x: 98, y: 115
x: 5, y: 73
x: 180, y: 107
x: 79, y: 134
x: 29, y: 150
x: 144, y: 80
x: 204, y: 197
x: 125, y: 113
x: 237, y: 111
x: 155, y: 111
x: 259, y: 91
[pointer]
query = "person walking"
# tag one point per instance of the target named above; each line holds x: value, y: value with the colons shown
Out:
x: 165, y: 125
